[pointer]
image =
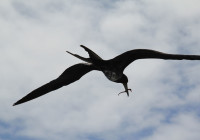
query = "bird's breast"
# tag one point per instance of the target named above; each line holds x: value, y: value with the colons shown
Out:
x: 113, y: 76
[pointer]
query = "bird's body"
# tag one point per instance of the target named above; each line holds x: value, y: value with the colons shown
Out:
x: 112, y: 75
x: 112, y: 69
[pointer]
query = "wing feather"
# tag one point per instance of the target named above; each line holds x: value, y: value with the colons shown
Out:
x: 69, y: 76
x: 128, y: 57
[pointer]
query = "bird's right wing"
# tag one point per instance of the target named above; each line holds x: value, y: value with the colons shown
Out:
x: 123, y: 60
x: 69, y: 76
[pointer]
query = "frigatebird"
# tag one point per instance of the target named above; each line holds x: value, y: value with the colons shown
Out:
x: 112, y: 69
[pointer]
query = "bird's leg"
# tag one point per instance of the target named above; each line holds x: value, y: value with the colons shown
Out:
x: 125, y: 91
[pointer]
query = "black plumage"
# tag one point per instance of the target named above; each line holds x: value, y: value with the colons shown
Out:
x: 113, y: 69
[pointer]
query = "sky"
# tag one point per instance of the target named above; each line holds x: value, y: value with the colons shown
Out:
x: 34, y: 38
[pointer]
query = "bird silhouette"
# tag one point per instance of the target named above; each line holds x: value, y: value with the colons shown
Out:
x: 112, y: 69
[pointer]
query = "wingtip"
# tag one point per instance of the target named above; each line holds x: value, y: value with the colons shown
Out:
x: 18, y: 102
x: 69, y: 52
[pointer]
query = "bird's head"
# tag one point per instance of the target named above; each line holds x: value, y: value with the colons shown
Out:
x: 123, y: 79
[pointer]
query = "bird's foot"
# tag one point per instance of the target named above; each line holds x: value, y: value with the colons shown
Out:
x: 125, y: 91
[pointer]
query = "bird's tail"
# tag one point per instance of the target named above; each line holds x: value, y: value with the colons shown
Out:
x: 53, y: 85
x: 92, y: 54
x: 80, y: 57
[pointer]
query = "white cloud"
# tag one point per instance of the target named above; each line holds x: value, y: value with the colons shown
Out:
x: 183, y: 127
x: 34, y: 38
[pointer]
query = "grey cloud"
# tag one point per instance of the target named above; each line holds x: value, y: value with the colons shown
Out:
x: 25, y: 10
x: 33, y: 44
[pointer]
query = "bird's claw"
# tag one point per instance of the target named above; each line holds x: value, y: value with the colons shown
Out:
x: 125, y: 91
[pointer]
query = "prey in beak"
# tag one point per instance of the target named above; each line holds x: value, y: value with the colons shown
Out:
x: 126, y: 89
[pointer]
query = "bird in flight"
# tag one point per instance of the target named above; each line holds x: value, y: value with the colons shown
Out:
x: 112, y: 69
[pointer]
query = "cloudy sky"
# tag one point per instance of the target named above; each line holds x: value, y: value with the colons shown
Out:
x: 165, y: 102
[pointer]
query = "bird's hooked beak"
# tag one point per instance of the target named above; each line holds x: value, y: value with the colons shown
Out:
x: 126, y: 89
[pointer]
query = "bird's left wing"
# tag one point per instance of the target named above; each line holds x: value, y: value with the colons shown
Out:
x: 123, y: 60
x: 69, y: 76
